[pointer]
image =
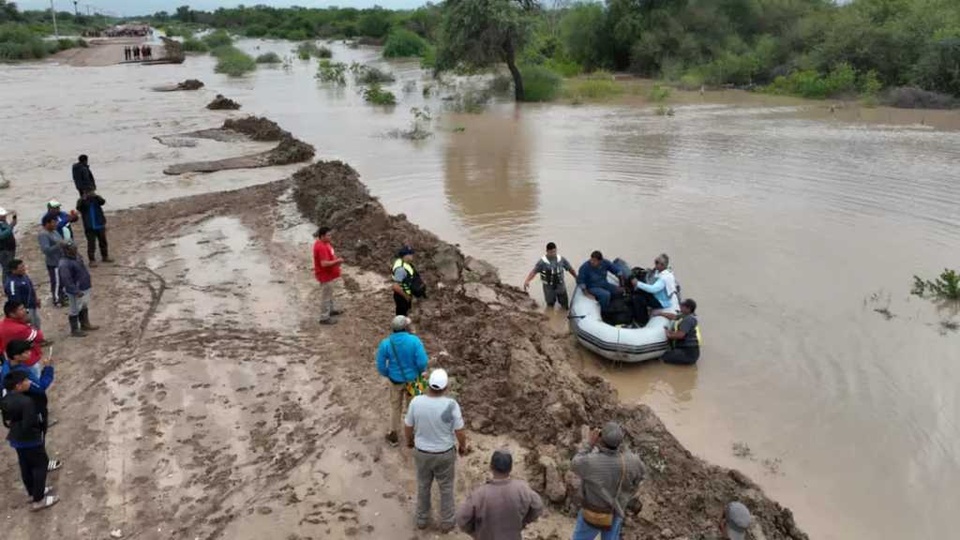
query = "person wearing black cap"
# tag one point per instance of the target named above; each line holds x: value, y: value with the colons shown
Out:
x: 684, y: 335
x: 406, y: 281
x: 501, y: 508
x: 26, y: 436
x: 609, y: 479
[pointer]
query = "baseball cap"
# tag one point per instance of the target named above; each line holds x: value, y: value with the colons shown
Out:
x: 400, y: 322
x: 53, y: 203
x: 438, y: 379
x: 738, y: 520
x: 3, y: 212
x: 612, y: 435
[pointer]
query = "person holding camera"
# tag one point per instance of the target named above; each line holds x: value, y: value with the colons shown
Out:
x: 610, y: 476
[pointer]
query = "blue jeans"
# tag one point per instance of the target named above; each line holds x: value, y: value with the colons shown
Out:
x: 585, y: 531
x: 602, y: 293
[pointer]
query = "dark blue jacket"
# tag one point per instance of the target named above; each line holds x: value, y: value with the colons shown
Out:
x: 73, y: 275
x: 589, y: 277
x: 20, y: 288
x: 91, y: 211
x: 409, y: 361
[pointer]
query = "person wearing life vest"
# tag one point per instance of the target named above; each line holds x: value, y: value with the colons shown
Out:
x: 684, y: 335
x: 551, y: 267
x: 403, y: 275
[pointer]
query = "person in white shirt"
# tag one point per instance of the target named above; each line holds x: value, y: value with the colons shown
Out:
x: 434, y: 429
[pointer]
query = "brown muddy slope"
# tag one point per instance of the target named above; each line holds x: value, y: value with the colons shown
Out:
x: 514, y: 376
x: 289, y: 151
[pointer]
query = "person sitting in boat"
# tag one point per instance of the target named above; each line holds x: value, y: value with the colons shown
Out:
x: 661, y: 293
x: 684, y: 335
x: 592, y: 279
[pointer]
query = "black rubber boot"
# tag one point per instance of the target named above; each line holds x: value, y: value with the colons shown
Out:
x: 85, y: 320
x: 75, y: 330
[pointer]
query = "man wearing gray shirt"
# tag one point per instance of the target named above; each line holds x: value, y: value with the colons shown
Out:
x: 434, y: 429
x: 51, y: 244
x: 551, y: 268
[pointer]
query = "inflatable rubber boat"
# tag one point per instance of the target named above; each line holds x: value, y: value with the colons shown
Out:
x: 617, y: 342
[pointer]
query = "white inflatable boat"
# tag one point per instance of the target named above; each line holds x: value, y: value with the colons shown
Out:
x: 617, y: 343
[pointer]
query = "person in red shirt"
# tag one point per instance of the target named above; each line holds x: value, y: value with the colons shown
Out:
x: 326, y: 267
x: 16, y: 325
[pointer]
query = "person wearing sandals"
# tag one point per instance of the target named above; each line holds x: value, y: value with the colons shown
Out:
x: 609, y: 478
x: 26, y: 436
x: 402, y: 359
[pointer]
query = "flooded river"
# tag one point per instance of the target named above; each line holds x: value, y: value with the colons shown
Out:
x: 797, y: 232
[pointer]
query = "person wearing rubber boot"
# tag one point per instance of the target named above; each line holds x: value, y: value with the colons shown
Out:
x: 51, y: 244
x: 26, y: 436
x: 90, y: 207
x: 76, y: 284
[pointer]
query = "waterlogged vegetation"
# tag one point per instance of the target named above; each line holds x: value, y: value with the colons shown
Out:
x: 309, y: 49
x: 22, y: 33
x: 232, y: 61
x: 365, y: 74
x: 269, y: 58
x: 332, y: 72
x: 945, y: 287
x: 376, y: 95
x: 901, y: 52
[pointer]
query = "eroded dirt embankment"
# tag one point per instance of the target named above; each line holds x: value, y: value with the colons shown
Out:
x: 288, y: 150
x: 514, y: 375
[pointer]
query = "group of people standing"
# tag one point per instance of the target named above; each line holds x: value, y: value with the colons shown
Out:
x: 142, y: 52
x: 425, y: 417
x: 26, y: 373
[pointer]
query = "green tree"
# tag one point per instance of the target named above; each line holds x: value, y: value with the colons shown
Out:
x: 583, y: 33
x: 481, y: 33
x: 939, y: 67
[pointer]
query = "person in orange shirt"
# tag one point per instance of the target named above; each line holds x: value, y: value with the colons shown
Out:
x: 326, y: 267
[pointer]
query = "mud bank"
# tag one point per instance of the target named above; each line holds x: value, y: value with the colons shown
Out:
x: 289, y: 150
x: 188, y: 85
x: 514, y: 376
x: 221, y: 103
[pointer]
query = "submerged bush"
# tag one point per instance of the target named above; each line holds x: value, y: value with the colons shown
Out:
x: 17, y: 42
x: 309, y: 49
x: 376, y: 95
x: 332, y: 72
x: 364, y: 74
x: 216, y: 39
x: 915, y: 98
x: 233, y: 61
x: 658, y: 94
x: 402, y: 43
x: 945, y: 287
x: 540, y: 84
x: 597, y: 86
x: 192, y: 44
x: 842, y: 80
x: 269, y: 58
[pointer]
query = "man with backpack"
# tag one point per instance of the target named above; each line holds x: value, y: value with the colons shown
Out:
x: 407, y: 282
x: 402, y: 359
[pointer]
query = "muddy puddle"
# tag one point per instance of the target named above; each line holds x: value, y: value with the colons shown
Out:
x: 795, y: 227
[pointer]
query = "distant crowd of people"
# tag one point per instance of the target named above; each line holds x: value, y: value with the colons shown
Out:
x: 430, y: 422
x: 142, y: 52
x: 26, y: 373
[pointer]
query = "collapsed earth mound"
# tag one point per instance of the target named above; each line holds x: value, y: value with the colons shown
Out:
x: 257, y: 128
x: 514, y: 376
x: 187, y: 85
x: 221, y: 103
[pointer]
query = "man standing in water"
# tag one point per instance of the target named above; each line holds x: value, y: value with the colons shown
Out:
x: 434, y: 428
x: 684, y: 335
x: 326, y: 268
x: 8, y: 241
x: 551, y: 267
x: 609, y: 479
x: 82, y: 176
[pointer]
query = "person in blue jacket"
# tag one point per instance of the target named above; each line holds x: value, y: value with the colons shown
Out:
x: 63, y: 219
x: 19, y: 287
x: 90, y: 207
x: 18, y: 352
x: 592, y: 279
x: 402, y: 359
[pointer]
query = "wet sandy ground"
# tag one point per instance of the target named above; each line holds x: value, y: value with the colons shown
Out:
x: 211, y: 405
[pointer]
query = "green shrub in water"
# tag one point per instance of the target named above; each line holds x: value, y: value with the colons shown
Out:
x: 597, y: 86
x: 376, y: 95
x: 309, y: 49
x: 842, y: 80
x: 217, y: 39
x: 233, y: 61
x: 402, y: 43
x: 17, y: 42
x: 269, y: 58
x: 658, y: 94
x: 332, y: 72
x: 945, y: 287
x: 194, y: 45
x: 540, y: 84
x: 371, y: 75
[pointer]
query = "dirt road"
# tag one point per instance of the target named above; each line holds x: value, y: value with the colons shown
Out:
x: 211, y: 404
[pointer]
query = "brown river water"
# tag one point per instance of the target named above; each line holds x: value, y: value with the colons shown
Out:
x: 791, y: 226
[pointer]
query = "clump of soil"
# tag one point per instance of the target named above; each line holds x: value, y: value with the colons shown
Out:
x: 221, y: 103
x: 289, y: 151
x: 514, y: 376
x: 257, y: 128
x: 190, y: 84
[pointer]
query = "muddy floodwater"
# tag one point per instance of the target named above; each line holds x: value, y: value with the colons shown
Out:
x: 797, y: 229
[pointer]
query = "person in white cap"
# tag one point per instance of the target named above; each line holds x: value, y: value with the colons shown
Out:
x: 402, y: 359
x: 8, y: 240
x: 55, y: 208
x: 434, y: 429
x: 736, y: 521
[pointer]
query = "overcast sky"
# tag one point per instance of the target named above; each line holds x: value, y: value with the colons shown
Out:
x: 144, y: 7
